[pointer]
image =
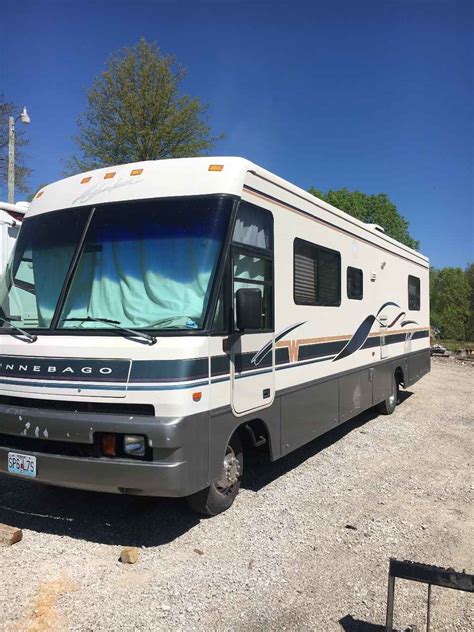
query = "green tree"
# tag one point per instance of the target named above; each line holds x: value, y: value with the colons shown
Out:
x: 136, y: 111
x: 373, y: 209
x: 22, y: 172
x: 470, y: 279
x: 450, y: 296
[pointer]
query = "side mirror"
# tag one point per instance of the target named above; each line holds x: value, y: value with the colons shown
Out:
x: 248, y: 309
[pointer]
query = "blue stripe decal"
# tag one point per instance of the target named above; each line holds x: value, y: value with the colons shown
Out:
x: 266, y: 349
x: 169, y: 387
x: 358, y: 339
x: 361, y: 335
x: 163, y: 386
x: 105, y: 387
x: 82, y: 385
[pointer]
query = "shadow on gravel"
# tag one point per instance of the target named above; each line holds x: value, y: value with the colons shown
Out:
x: 349, y: 624
x: 102, y: 518
x: 135, y: 520
x: 259, y: 471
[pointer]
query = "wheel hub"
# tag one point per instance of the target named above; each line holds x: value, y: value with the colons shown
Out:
x: 230, y: 471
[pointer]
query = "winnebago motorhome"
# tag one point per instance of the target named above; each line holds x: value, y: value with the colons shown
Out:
x: 157, y: 317
x: 11, y: 216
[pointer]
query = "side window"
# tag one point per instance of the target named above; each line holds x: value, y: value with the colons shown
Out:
x: 22, y: 297
x: 252, y: 257
x: 413, y: 293
x: 253, y: 227
x: 355, y: 283
x: 317, y: 274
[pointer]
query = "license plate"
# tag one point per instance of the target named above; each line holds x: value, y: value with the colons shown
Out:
x: 23, y: 464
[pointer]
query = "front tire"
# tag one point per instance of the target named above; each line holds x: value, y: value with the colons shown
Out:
x: 220, y: 495
x: 387, y: 407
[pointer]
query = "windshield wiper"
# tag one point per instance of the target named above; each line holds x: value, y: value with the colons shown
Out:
x: 115, y: 323
x: 190, y: 324
x: 28, y: 336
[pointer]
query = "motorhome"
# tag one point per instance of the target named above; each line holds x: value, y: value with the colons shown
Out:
x: 11, y: 216
x: 160, y: 318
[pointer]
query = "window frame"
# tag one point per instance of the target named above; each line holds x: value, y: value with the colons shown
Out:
x: 259, y: 209
x: 350, y: 296
x: 318, y: 248
x: 418, y: 293
x: 238, y: 248
x: 110, y: 332
x: 225, y: 284
x: 260, y: 253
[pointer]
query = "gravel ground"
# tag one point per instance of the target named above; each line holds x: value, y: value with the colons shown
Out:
x: 305, y: 546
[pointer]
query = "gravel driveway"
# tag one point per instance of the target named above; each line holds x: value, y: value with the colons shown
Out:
x: 305, y: 546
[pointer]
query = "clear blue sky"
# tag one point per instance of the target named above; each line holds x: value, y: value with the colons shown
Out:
x: 375, y: 95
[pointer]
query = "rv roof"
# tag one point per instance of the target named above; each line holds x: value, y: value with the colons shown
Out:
x: 140, y: 180
x: 169, y: 178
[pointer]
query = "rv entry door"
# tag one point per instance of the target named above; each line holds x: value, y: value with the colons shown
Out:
x: 252, y: 351
x: 252, y: 372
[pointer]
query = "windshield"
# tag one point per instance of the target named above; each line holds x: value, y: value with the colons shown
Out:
x: 143, y: 264
x: 31, y: 286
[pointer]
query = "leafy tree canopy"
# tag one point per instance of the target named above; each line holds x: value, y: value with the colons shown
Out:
x: 373, y: 209
x: 470, y: 279
x: 450, y: 298
x: 136, y: 112
x: 22, y: 172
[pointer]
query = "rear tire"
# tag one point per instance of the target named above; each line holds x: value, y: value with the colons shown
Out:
x: 220, y: 495
x: 387, y: 407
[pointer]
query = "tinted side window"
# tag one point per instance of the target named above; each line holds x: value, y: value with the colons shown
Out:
x: 252, y: 257
x: 253, y: 227
x: 305, y: 266
x: 413, y: 293
x: 255, y: 272
x: 355, y: 283
x: 317, y: 274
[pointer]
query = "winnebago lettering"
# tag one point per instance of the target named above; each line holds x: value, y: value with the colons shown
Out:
x: 158, y: 319
x: 64, y: 369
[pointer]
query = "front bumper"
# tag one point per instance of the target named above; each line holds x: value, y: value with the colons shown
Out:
x: 179, y: 464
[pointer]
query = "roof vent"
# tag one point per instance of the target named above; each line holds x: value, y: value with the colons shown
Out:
x: 376, y: 227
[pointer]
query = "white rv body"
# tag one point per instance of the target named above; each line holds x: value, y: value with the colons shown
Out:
x: 308, y: 368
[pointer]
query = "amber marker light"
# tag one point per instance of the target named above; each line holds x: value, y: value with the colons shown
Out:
x: 197, y: 396
x: 86, y: 180
x: 136, y: 172
x: 39, y: 194
x: 109, y: 175
x: 216, y: 167
x: 109, y: 445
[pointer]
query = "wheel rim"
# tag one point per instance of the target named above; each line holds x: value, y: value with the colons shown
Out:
x: 230, y: 471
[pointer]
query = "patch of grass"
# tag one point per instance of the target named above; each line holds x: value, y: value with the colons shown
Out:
x: 453, y: 345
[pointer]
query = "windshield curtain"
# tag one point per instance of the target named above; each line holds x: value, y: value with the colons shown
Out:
x: 31, y: 286
x: 143, y: 264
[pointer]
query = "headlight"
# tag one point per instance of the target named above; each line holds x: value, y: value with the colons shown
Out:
x: 134, y: 445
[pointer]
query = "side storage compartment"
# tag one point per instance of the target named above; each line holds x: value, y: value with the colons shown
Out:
x: 419, y: 364
x: 355, y: 394
x: 307, y: 413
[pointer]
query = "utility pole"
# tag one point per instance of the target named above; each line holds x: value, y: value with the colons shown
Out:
x: 24, y: 118
x: 11, y: 160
